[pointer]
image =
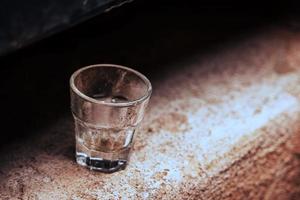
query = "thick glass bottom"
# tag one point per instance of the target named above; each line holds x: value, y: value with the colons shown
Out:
x: 100, y: 164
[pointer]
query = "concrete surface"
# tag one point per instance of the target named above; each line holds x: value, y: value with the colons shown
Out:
x: 224, y: 125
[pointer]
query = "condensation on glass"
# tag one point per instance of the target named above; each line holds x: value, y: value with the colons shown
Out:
x: 108, y: 103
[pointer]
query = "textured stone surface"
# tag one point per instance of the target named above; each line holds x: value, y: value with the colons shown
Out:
x: 219, y: 126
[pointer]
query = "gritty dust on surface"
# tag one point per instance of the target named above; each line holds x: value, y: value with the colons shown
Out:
x: 203, y: 120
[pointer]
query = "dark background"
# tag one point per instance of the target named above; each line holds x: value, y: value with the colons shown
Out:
x: 145, y: 35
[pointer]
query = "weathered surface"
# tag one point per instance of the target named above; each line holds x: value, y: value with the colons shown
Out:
x: 220, y: 126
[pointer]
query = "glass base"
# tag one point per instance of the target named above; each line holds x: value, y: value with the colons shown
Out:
x: 103, y: 149
x: 100, y: 164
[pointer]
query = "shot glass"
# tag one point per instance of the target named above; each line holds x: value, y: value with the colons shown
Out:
x: 108, y: 104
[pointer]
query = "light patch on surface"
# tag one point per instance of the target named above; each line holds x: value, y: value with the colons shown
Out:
x: 213, y: 131
x: 159, y: 161
x: 234, y: 120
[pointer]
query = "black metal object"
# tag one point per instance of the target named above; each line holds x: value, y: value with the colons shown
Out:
x: 22, y: 22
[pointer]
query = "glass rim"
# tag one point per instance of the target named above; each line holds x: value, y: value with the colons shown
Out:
x: 117, y: 104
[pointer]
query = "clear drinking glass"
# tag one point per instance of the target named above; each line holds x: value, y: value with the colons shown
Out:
x: 108, y: 103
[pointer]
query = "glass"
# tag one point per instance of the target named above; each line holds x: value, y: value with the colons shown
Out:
x: 108, y: 103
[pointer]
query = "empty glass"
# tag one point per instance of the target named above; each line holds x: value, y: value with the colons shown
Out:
x: 108, y: 103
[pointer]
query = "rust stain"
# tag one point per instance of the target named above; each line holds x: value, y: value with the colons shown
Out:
x: 160, y: 175
x: 138, y: 145
x: 174, y: 122
x: 283, y: 68
x: 164, y: 145
x: 214, y: 101
x: 85, y: 196
x: 257, y: 111
x: 294, y: 144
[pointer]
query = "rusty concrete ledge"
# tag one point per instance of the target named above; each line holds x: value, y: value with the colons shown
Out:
x: 224, y: 126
